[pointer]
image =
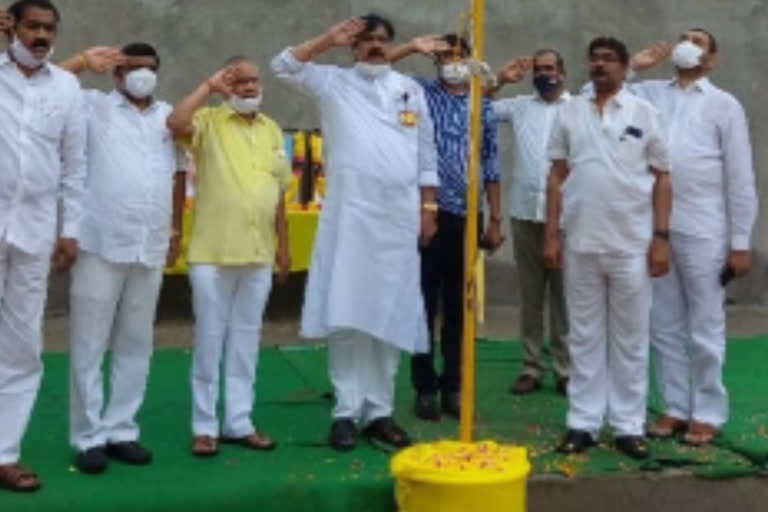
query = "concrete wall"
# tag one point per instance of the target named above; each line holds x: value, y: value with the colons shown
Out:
x: 196, y: 36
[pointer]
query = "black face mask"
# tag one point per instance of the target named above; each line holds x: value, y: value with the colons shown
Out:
x: 545, y: 84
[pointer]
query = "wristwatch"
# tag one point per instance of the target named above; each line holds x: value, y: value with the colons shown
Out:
x: 661, y: 233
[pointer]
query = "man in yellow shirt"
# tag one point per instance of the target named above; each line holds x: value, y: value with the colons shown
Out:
x: 242, y: 171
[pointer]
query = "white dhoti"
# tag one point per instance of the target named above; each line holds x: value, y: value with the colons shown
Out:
x: 609, y: 301
x: 363, y: 371
x: 229, y: 303
x: 23, y: 291
x: 688, y: 331
x: 113, y: 308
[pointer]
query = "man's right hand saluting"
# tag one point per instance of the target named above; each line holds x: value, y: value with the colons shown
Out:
x: 346, y: 33
x: 6, y: 22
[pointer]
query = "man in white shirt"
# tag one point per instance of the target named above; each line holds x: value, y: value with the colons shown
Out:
x: 610, y: 159
x: 363, y: 291
x: 530, y: 117
x: 712, y: 222
x: 134, y: 190
x: 42, y: 168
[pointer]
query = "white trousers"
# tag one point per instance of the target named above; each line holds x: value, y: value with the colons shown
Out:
x: 688, y: 331
x: 23, y: 290
x: 228, y: 303
x: 112, y: 307
x: 609, y: 302
x: 362, y: 370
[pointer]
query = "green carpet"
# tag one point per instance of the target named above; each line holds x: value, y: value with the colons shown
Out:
x: 303, y: 474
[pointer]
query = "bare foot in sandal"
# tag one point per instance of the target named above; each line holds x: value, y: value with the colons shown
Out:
x: 700, y: 434
x: 255, y: 441
x: 205, y: 446
x: 667, y: 426
x: 16, y: 477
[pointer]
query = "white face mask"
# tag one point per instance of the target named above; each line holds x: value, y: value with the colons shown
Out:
x: 140, y: 83
x: 455, y: 73
x: 245, y: 105
x: 687, y: 55
x: 25, y: 57
x: 371, y: 71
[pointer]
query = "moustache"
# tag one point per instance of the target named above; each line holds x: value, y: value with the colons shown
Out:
x: 598, y: 72
x: 376, y: 53
x: 42, y: 44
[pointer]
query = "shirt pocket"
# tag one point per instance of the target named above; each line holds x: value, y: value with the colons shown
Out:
x: 47, y: 120
x: 631, y: 149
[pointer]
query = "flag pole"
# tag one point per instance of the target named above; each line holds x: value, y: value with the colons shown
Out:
x: 471, y: 231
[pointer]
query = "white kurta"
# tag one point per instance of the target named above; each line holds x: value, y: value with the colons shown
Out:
x: 42, y: 166
x: 365, y: 271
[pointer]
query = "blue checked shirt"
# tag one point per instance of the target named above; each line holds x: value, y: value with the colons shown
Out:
x: 451, y: 118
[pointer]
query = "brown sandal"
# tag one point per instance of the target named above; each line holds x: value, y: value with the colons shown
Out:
x: 255, y: 441
x: 700, y: 434
x: 667, y: 427
x: 16, y: 477
x: 205, y: 446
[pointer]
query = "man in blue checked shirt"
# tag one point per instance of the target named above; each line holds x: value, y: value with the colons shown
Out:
x: 442, y: 260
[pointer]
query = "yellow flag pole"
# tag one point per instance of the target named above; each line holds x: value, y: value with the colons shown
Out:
x: 471, y: 232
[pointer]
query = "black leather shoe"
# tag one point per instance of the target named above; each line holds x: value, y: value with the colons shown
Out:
x: 576, y: 441
x: 451, y: 404
x: 562, y: 386
x: 525, y: 385
x: 388, y: 432
x: 93, y: 460
x: 130, y: 452
x: 633, y: 446
x: 426, y: 407
x: 343, y: 435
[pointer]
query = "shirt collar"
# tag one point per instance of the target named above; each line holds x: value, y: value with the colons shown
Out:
x: 566, y: 96
x: 619, y: 99
x: 231, y: 112
x: 441, y: 84
x: 6, y: 60
x: 120, y: 100
x: 701, y: 85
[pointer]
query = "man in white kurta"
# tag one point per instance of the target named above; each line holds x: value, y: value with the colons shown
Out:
x: 712, y: 222
x: 42, y: 167
x: 610, y: 158
x: 363, y: 291
x: 125, y: 239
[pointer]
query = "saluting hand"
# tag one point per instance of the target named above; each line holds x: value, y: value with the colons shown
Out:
x: 103, y: 59
x: 222, y: 81
x: 6, y: 22
x: 651, y: 56
x: 515, y: 70
x: 346, y: 33
x: 430, y: 45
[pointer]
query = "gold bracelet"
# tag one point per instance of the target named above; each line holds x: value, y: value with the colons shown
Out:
x: 429, y: 207
x: 84, y: 63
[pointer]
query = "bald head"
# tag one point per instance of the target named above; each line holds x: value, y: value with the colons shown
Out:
x: 246, y: 78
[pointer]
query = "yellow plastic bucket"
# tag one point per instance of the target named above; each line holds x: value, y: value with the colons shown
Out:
x: 451, y: 476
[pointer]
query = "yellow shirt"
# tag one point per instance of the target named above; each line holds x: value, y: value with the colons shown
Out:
x: 241, y: 172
